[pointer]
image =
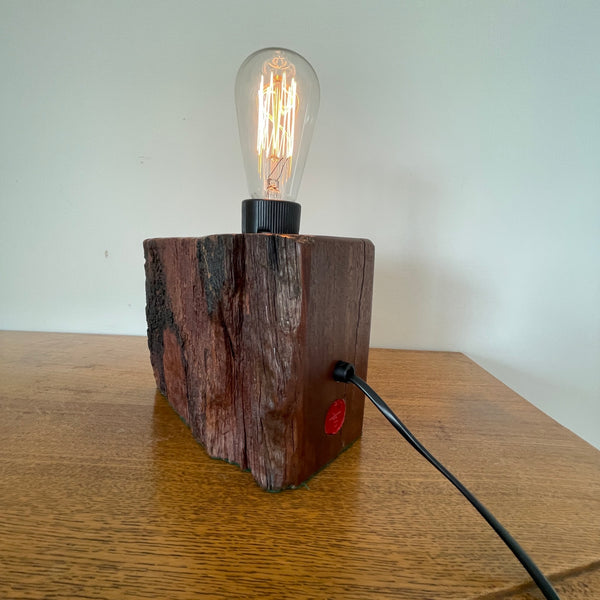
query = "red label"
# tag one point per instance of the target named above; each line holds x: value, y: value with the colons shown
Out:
x: 335, y: 417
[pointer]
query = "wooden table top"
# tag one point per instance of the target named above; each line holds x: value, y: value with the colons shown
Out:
x: 105, y: 494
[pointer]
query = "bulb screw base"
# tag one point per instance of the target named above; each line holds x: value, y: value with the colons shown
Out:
x: 270, y: 216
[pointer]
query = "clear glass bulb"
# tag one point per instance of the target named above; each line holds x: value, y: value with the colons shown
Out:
x: 277, y: 100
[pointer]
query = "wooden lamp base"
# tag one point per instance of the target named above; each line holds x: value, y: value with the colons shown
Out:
x: 244, y: 331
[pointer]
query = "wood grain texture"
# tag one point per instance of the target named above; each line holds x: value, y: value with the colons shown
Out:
x: 244, y: 331
x: 104, y: 493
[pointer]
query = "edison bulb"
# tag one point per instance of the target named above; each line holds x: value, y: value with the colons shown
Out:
x: 277, y: 100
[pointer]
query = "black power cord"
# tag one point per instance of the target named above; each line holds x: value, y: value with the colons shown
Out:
x: 344, y: 372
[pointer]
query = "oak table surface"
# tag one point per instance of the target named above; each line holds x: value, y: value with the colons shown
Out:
x: 105, y: 494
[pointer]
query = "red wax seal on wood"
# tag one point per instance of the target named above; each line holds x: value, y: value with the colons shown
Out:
x: 335, y: 417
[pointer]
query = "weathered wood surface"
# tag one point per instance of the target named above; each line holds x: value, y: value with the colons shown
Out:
x: 244, y: 331
x: 105, y: 494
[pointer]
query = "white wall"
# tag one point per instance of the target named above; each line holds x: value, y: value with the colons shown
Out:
x: 462, y: 137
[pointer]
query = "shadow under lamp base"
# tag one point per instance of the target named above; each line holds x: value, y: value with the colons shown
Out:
x: 244, y: 331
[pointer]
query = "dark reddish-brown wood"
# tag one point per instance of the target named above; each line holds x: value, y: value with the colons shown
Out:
x: 244, y: 331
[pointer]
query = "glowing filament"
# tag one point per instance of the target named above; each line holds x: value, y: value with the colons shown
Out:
x: 275, y: 139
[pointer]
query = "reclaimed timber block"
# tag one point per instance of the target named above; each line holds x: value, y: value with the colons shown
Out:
x: 244, y: 331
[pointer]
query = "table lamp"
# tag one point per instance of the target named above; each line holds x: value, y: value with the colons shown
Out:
x: 244, y: 330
